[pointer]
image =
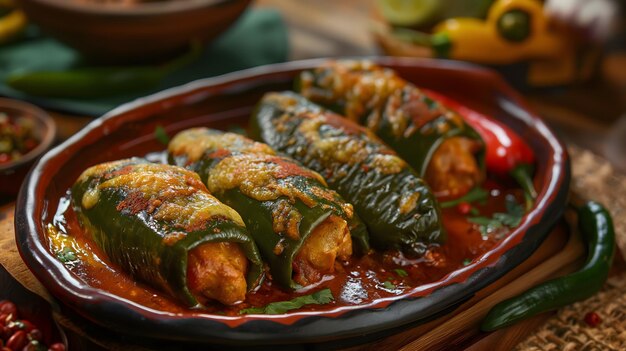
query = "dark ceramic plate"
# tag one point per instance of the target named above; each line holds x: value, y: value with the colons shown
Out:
x: 226, y: 101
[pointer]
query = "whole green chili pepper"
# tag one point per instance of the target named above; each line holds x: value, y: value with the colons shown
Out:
x: 596, y: 227
x: 94, y: 82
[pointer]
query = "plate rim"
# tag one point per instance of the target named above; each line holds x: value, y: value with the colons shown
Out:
x: 270, y: 329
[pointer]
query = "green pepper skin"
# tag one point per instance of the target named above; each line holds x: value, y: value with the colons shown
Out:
x: 277, y: 248
x: 596, y: 226
x: 135, y: 240
x: 397, y: 206
x: 399, y: 113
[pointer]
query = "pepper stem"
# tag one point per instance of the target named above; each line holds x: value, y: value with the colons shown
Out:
x: 523, y: 176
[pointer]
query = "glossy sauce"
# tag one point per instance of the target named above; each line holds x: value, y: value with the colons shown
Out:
x: 359, y: 281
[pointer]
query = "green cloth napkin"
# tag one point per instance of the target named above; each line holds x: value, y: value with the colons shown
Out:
x: 258, y: 37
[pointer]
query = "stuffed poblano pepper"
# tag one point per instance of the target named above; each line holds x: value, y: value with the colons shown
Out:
x: 160, y: 224
x: 433, y: 139
x: 394, y: 202
x: 300, y: 226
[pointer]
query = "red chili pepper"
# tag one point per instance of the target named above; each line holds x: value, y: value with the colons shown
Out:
x: 506, y: 152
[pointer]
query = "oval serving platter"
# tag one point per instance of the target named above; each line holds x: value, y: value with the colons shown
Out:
x: 227, y: 101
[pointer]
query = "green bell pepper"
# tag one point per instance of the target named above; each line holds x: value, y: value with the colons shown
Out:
x: 147, y: 218
x: 396, y: 205
x: 281, y: 202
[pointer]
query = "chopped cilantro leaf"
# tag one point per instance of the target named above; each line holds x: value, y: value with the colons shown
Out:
x: 510, y: 219
x: 388, y: 285
x: 466, y: 261
x: 161, y: 135
x: 401, y: 272
x: 474, y: 195
x: 66, y: 255
x: 318, y: 298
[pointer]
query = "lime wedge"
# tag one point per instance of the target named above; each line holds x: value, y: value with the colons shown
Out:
x: 410, y: 13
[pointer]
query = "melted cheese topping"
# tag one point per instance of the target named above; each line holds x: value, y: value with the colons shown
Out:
x: 168, y: 193
x: 259, y: 177
x: 264, y: 178
x: 196, y: 142
x: 371, y: 93
x: 340, y: 148
x: 343, y: 142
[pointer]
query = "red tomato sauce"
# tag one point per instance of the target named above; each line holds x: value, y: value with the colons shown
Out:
x: 359, y: 281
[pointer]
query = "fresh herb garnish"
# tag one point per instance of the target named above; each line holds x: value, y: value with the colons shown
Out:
x: 401, y: 272
x: 510, y: 219
x: 66, y: 255
x: 318, y: 298
x: 474, y: 195
x: 388, y: 285
x: 466, y: 261
x: 161, y: 135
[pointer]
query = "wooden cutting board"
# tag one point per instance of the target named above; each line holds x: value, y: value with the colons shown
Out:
x: 559, y: 254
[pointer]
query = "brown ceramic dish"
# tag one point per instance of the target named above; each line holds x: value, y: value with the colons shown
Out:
x: 144, y: 31
x: 12, y: 173
x: 228, y: 100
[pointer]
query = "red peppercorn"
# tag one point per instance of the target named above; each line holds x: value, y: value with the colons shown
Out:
x: 464, y: 208
x: 7, y: 307
x: 27, y: 326
x: 35, y: 334
x: 18, y: 340
x: 16, y: 325
x: 57, y: 347
x: 3, y: 319
x: 592, y: 319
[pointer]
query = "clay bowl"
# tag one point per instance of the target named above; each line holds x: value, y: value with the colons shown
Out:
x: 227, y: 100
x: 145, y: 31
x: 13, y: 173
x: 31, y: 307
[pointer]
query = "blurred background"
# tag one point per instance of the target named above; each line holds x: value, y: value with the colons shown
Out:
x: 78, y: 59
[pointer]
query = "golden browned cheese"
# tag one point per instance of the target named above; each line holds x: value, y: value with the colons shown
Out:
x: 453, y: 169
x: 258, y: 176
x: 329, y: 241
x: 217, y: 271
x: 170, y: 193
x: 195, y: 142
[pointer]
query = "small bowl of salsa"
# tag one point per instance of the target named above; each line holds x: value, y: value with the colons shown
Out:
x: 26, y: 132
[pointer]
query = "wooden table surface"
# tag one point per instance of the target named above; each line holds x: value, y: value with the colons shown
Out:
x: 588, y: 115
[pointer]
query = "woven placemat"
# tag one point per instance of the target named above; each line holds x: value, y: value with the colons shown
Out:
x: 594, y: 178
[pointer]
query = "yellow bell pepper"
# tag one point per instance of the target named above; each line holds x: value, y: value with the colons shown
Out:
x: 484, y: 41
